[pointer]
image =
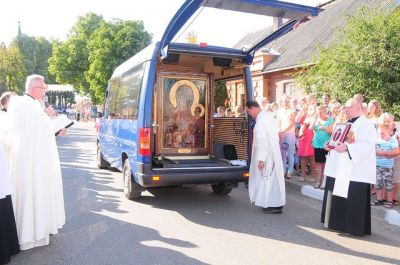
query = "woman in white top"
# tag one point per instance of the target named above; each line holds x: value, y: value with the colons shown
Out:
x: 374, y: 111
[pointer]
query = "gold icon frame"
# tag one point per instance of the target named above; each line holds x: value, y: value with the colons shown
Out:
x: 168, y: 105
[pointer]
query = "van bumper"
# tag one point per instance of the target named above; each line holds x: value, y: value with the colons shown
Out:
x: 232, y: 175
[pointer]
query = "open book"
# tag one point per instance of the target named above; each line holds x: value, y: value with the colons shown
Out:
x: 60, y: 122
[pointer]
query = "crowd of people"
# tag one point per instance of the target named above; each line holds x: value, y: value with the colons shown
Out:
x: 31, y: 192
x: 306, y: 124
x: 366, y: 163
x: 229, y: 112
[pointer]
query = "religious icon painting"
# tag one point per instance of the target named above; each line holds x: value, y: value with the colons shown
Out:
x: 339, y: 134
x: 183, y: 115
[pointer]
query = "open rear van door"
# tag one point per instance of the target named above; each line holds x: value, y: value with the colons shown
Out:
x: 189, y: 69
x: 196, y: 16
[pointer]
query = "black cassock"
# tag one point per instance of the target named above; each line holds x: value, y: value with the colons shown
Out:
x: 350, y: 215
x: 9, y: 244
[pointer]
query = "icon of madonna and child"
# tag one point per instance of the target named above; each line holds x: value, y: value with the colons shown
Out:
x: 183, y: 116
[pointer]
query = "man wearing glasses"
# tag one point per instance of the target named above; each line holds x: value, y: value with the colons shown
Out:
x: 34, y: 167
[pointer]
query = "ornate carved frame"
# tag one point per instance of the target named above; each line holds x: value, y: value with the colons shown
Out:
x: 186, y: 80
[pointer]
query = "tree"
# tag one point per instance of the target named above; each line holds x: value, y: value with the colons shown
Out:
x: 70, y: 60
x: 92, y: 51
x: 364, y: 58
x: 12, y: 70
x: 221, y: 94
x: 110, y: 45
x: 35, y: 52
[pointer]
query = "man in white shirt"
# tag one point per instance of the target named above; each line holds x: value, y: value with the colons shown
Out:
x: 286, y: 126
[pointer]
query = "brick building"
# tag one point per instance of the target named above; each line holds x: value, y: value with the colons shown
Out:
x: 274, y: 64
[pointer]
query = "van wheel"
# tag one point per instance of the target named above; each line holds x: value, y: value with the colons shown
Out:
x: 132, y: 190
x: 101, y: 162
x: 222, y: 188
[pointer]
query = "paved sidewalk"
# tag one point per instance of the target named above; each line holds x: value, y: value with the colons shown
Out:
x: 392, y: 216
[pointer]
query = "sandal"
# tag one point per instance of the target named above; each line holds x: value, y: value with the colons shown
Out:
x: 302, y: 179
x: 396, y: 203
x: 389, y: 205
x: 376, y: 203
x: 317, y: 186
x: 311, y: 180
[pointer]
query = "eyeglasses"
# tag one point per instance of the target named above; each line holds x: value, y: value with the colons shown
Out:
x: 41, y: 87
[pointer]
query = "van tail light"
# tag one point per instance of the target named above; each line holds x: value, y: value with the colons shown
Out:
x: 144, y: 141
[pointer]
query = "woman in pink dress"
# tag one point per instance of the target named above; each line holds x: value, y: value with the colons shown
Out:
x: 306, y: 150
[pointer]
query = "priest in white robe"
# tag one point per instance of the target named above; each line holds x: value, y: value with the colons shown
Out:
x: 34, y: 167
x: 266, y: 183
x: 350, y: 169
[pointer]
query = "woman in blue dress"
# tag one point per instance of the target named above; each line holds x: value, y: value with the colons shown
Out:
x: 323, y: 126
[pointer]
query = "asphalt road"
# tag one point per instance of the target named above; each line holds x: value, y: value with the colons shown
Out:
x: 190, y: 225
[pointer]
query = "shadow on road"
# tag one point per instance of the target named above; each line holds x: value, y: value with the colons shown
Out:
x: 89, y: 236
x: 200, y: 205
x: 94, y: 235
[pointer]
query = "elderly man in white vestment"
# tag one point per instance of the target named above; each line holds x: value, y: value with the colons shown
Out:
x: 34, y: 167
x: 266, y: 183
x: 350, y: 169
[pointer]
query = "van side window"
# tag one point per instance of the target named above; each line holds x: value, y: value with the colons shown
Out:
x: 112, y: 97
x: 130, y: 92
x: 124, y: 92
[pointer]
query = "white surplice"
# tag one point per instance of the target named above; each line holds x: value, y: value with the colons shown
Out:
x: 267, y: 187
x: 5, y: 181
x: 362, y: 165
x: 35, y: 173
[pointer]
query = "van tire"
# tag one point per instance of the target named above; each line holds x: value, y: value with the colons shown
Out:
x: 101, y: 162
x: 132, y: 190
x: 222, y: 188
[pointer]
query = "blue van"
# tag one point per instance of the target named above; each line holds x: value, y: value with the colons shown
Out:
x: 158, y: 125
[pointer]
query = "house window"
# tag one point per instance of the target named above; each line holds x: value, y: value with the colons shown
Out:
x: 289, y: 89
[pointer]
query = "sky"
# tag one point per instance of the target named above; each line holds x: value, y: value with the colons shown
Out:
x: 53, y: 19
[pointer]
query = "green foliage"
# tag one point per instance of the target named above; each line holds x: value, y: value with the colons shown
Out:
x: 365, y: 58
x: 220, y: 94
x: 70, y: 60
x: 12, y: 69
x: 35, y: 53
x: 110, y: 45
x: 92, y: 51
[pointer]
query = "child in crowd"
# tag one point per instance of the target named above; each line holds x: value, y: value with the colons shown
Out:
x: 386, y: 147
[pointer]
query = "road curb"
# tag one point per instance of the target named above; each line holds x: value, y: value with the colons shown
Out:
x: 389, y: 215
x: 392, y: 217
x: 309, y: 191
